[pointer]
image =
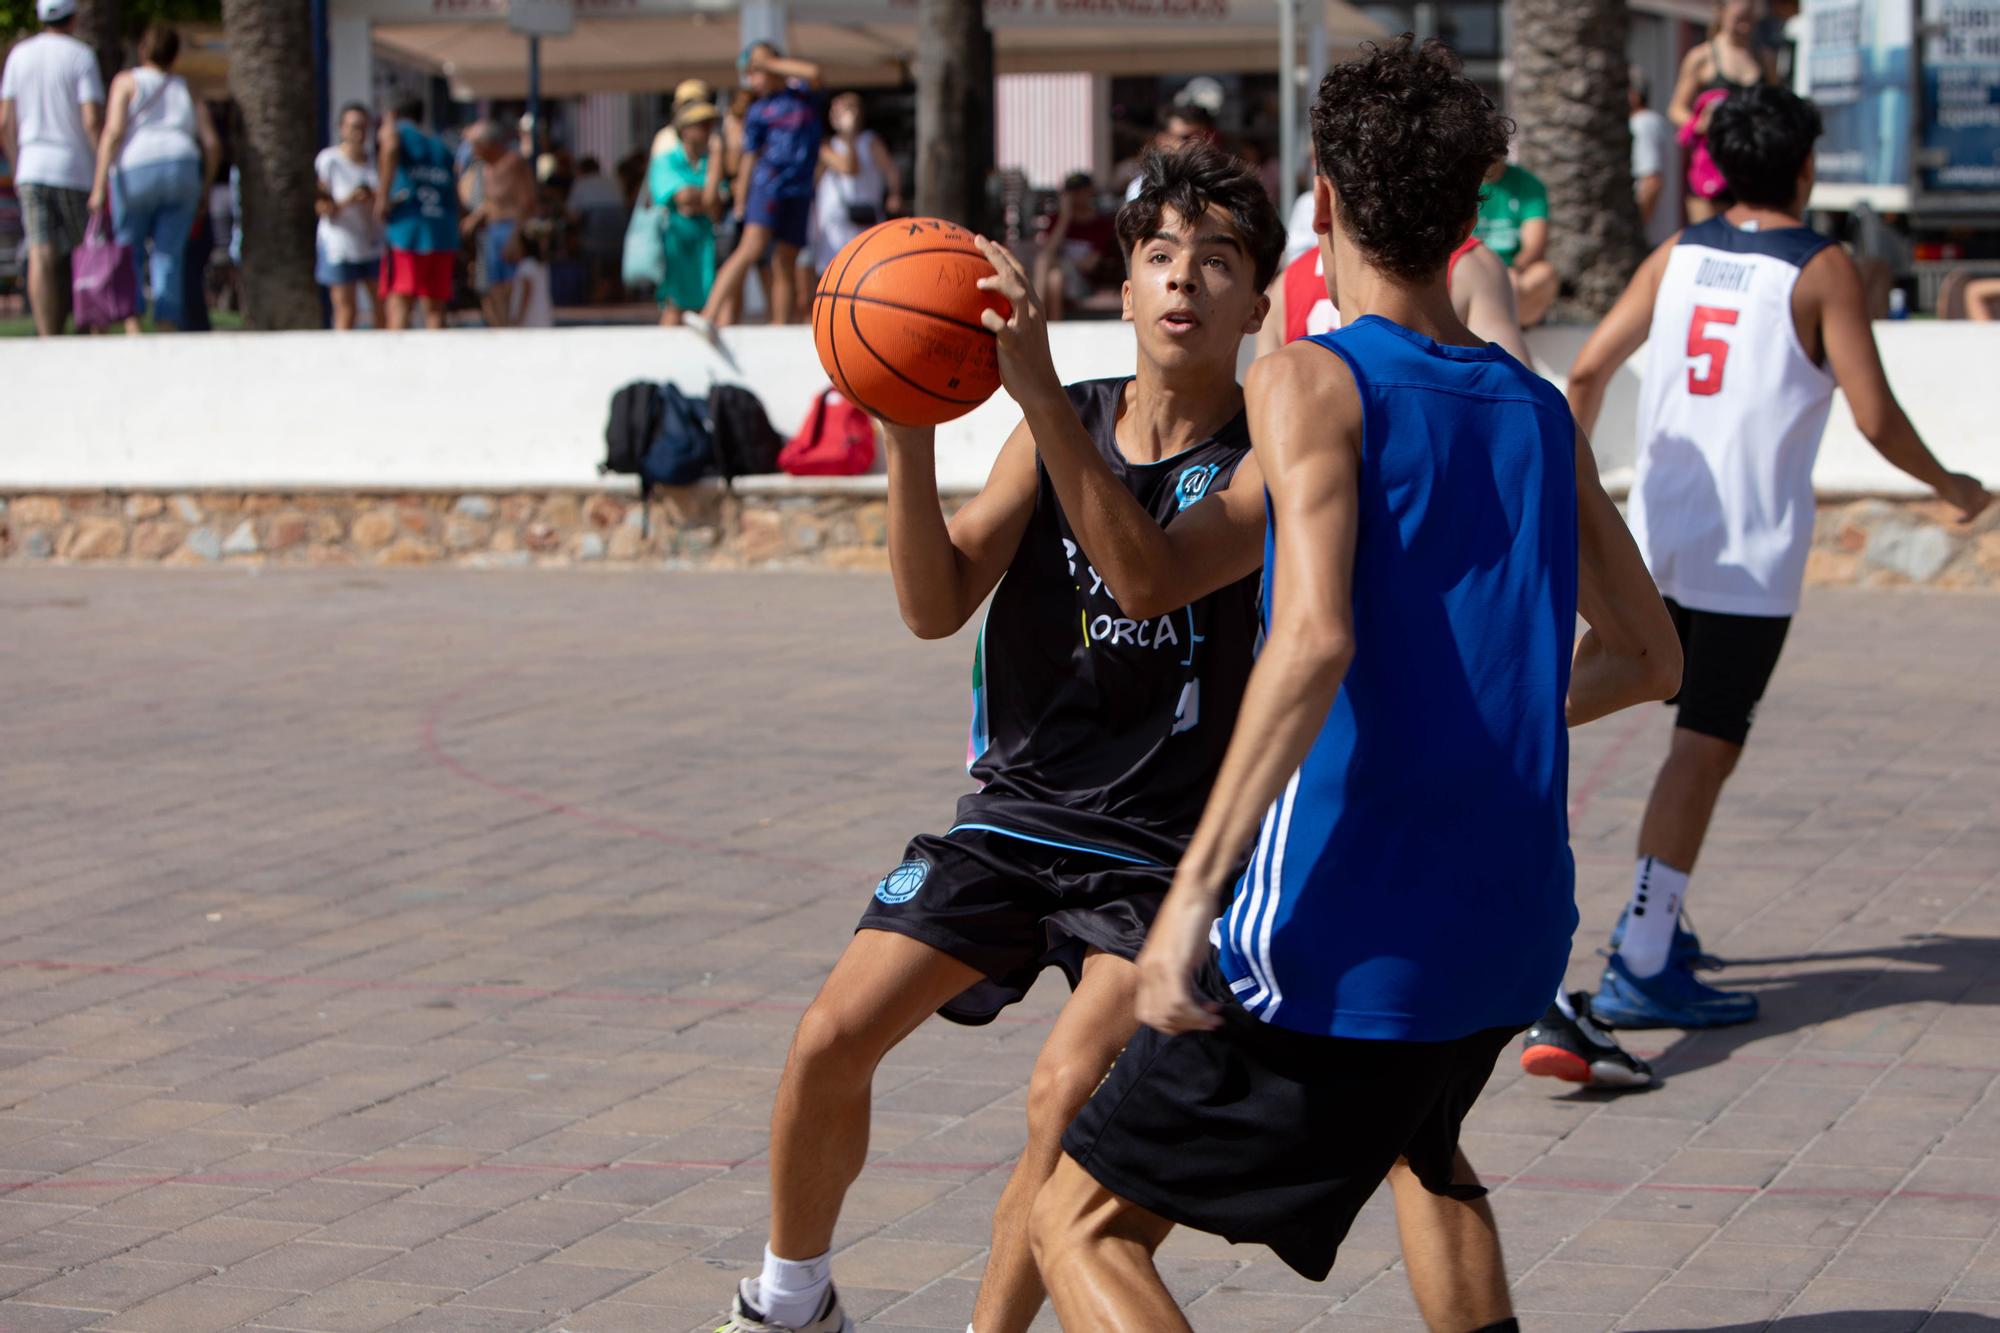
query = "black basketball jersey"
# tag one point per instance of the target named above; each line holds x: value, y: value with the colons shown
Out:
x: 1091, y: 728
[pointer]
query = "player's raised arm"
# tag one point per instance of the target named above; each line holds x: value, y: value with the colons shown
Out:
x: 1154, y: 569
x: 943, y: 571
x: 1305, y: 424
x: 1832, y: 281
x: 1630, y: 653
x: 1616, y: 337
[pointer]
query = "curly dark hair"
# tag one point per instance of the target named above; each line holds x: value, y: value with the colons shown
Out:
x: 1760, y: 139
x: 1407, y: 140
x: 1189, y: 180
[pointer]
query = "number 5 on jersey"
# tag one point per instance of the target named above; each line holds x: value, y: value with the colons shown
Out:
x: 1715, y: 349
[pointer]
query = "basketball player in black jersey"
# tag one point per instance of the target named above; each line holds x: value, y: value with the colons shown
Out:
x: 1099, y: 720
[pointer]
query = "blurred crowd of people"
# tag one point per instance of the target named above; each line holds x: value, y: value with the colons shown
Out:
x: 771, y: 181
x: 144, y: 155
x: 742, y: 198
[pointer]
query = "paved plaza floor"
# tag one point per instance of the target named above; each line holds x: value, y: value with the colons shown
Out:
x: 420, y: 950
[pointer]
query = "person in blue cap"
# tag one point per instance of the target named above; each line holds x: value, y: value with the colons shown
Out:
x: 774, y: 184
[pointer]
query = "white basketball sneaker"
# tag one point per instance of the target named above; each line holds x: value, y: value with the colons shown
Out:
x: 745, y: 1317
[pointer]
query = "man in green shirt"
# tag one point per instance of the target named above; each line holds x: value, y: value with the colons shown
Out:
x: 1514, y: 224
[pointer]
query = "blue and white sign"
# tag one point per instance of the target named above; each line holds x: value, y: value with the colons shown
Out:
x: 1961, y: 135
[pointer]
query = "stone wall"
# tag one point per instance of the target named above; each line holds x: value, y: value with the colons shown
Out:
x: 1870, y: 543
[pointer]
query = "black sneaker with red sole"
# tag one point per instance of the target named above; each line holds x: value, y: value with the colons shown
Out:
x: 1577, y: 1050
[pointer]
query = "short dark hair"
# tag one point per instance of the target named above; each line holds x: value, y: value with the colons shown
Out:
x: 1190, y: 180
x: 1406, y: 141
x: 159, y: 45
x: 1194, y: 113
x: 1078, y: 180
x: 1761, y: 139
x: 590, y: 166
x: 350, y: 109
x: 410, y: 107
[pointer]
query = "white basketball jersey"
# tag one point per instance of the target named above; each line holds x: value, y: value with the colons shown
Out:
x: 1730, y: 418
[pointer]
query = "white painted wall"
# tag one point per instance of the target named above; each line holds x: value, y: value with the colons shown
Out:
x: 480, y: 410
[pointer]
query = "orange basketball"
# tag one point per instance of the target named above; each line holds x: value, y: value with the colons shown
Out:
x: 896, y: 321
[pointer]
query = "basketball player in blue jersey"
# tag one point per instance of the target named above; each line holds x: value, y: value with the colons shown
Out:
x: 1098, y: 727
x: 1435, y: 526
x: 1751, y: 320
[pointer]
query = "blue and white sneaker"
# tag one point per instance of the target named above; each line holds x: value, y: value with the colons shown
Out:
x: 1673, y: 999
x: 1685, y: 951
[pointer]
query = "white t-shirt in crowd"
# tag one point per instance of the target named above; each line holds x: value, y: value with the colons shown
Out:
x: 48, y: 78
x: 1655, y: 151
x: 160, y: 121
x: 532, y: 307
x: 350, y: 235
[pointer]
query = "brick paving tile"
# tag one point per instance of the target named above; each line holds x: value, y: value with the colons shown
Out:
x: 198, y: 1307
x: 22, y: 1317
x: 1678, y: 1304
x: 1878, y: 1307
x: 461, y: 1264
x: 550, y: 1289
x: 353, y: 1306
x: 401, y: 953
x: 303, y: 1266
x: 112, y: 1284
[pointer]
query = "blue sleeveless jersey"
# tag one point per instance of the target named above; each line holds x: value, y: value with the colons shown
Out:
x: 1414, y: 881
x: 423, y: 199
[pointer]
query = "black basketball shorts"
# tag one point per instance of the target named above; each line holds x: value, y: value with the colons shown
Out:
x: 1011, y: 905
x: 1728, y: 661
x: 1266, y: 1136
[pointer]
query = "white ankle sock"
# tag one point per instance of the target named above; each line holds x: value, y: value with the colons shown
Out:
x: 789, y: 1290
x: 1657, y: 891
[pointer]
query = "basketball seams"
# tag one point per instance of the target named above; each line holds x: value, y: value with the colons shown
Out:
x: 859, y: 244
x: 855, y: 324
x: 910, y: 310
x: 861, y: 283
x: 835, y: 287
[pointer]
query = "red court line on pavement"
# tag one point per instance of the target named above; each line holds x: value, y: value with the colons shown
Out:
x: 508, y: 989
x: 434, y: 748
x: 363, y: 1170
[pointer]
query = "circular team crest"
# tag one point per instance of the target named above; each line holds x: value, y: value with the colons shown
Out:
x: 901, y: 884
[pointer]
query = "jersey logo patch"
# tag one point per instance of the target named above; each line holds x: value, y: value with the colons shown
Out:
x: 1193, y: 484
x: 901, y: 884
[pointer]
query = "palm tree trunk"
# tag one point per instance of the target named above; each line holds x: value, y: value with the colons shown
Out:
x: 270, y: 63
x: 954, y: 76
x: 100, y: 25
x: 1569, y: 97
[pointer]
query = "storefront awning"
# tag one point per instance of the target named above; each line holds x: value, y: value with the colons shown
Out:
x: 860, y: 44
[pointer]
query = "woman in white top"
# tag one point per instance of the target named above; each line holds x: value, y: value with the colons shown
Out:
x: 164, y: 149
x: 859, y: 186
x: 350, y: 239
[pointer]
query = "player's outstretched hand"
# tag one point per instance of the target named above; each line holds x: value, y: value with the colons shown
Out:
x: 1965, y: 494
x: 1022, y: 335
x: 1175, y: 949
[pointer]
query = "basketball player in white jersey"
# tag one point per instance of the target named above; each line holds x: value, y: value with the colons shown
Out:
x: 1303, y: 302
x: 1751, y: 321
